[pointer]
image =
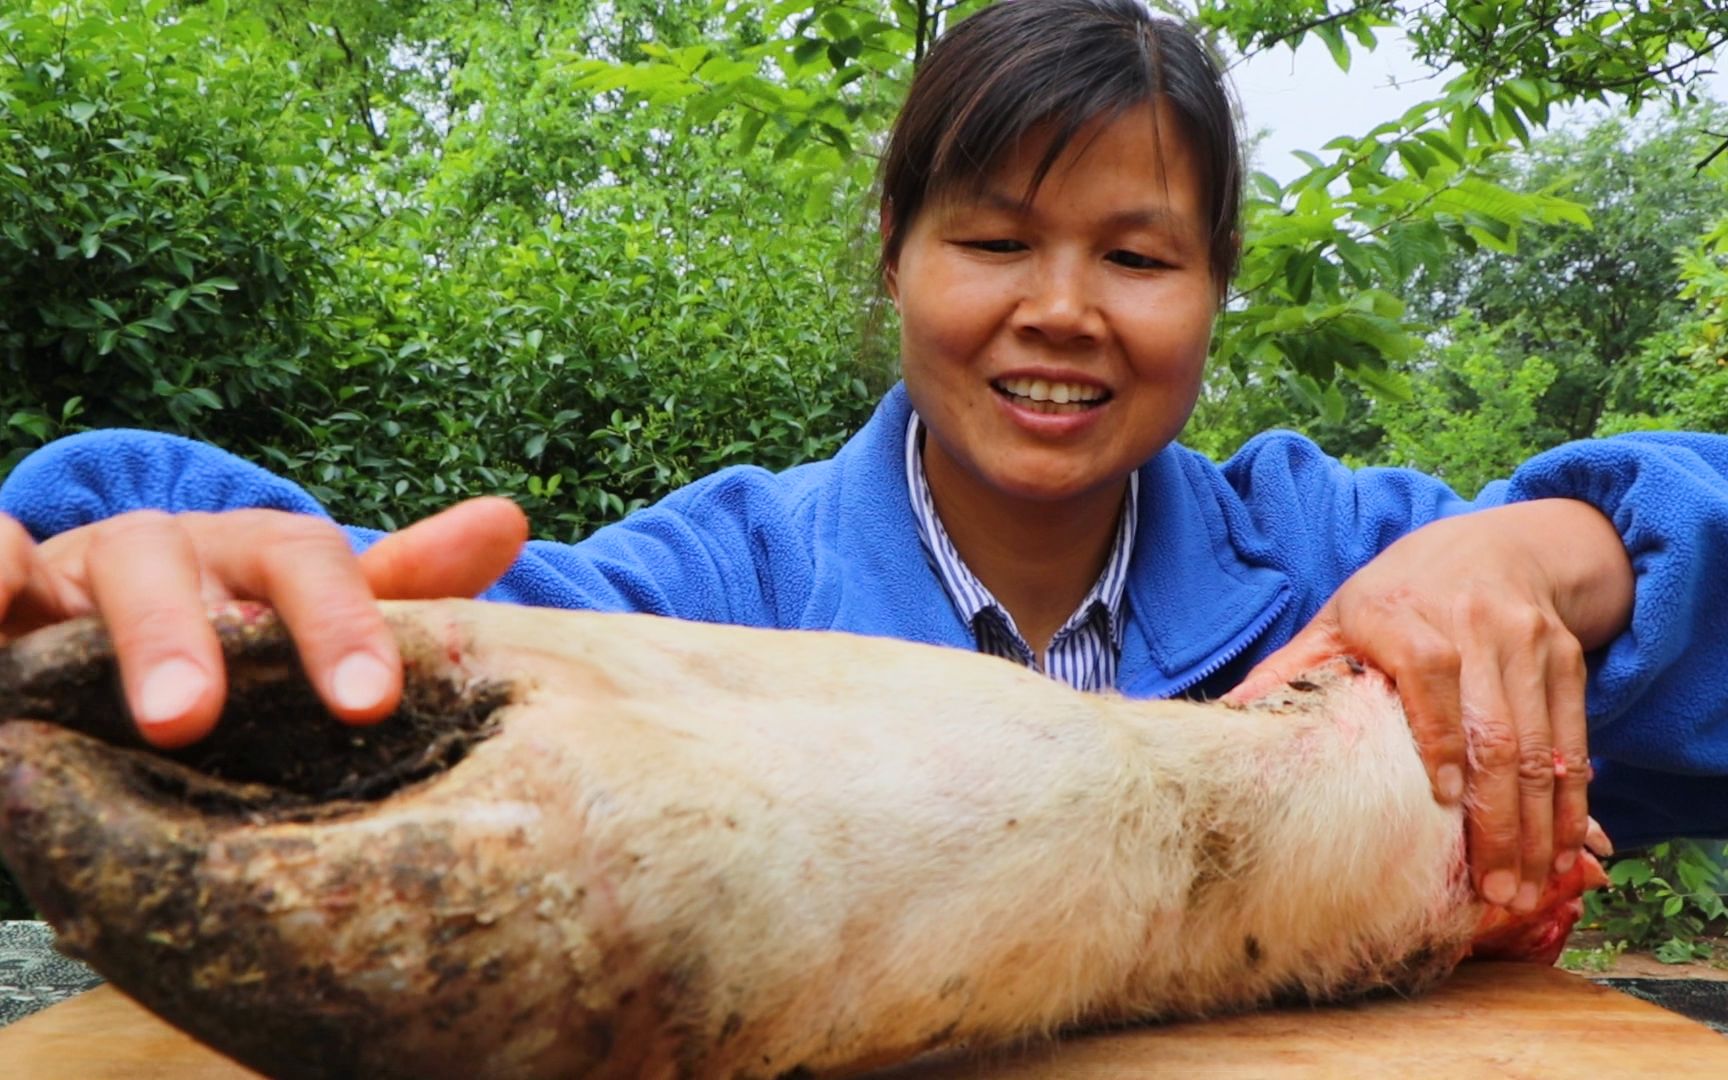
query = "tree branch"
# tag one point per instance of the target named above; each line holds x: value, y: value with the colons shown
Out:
x: 362, y: 95
x: 1314, y: 24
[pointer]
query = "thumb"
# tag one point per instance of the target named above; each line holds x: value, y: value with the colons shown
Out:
x: 456, y: 552
x: 1315, y: 644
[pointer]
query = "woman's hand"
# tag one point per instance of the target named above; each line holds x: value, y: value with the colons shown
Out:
x: 1482, y: 622
x: 150, y: 576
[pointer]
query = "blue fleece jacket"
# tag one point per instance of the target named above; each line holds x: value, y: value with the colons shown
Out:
x: 1229, y: 563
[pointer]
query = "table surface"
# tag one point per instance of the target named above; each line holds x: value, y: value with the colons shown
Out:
x: 1489, y: 1020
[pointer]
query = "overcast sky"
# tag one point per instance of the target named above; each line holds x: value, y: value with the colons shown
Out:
x: 1303, y: 100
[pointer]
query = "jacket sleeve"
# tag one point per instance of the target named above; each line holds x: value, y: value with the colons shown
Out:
x: 723, y: 549
x: 1295, y: 508
x: 702, y: 553
x: 85, y: 478
x: 1659, y: 691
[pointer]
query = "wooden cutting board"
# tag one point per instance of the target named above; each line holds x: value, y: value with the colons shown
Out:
x: 1489, y: 1020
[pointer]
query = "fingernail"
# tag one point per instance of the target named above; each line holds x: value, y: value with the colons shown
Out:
x: 1525, y: 901
x: 1499, y: 887
x: 171, y: 687
x: 1563, y: 861
x: 359, y: 682
x: 1451, y: 781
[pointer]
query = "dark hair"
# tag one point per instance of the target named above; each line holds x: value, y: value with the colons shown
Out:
x: 1026, y: 63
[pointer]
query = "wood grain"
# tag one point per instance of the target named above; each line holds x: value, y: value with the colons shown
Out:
x: 104, y: 1035
x: 1489, y: 1020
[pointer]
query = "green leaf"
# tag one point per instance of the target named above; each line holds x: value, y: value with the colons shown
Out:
x: 837, y: 24
x: 1333, y: 36
x: 1385, y: 384
x: 791, y: 142
x: 1508, y: 123
x: 1417, y: 158
x: 80, y: 112
x: 750, y: 129
x: 33, y: 422
x: 808, y: 49
x: 1677, y: 950
x: 1633, y: 872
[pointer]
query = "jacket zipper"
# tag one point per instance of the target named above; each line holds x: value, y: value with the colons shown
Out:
x: 1237, y: 646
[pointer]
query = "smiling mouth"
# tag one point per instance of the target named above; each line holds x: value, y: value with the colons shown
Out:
x: 1043, y: 396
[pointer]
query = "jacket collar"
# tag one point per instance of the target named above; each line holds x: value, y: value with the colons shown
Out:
x: 1194, y: 600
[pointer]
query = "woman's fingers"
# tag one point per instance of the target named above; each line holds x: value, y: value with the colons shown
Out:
x: 1493, y: 799
x: 1425, y: 667
x: 144, y: 577
x: 1524, y: 689
x: 458, y: 552
x: 304, y: 568
x: 151, y: 576
x: 327, y: 597
x: 1566, y: 710
x: 32, y: 593
x: 1596, y: 840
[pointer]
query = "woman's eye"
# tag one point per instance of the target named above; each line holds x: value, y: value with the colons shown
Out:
x: 996, y: 247
x: 1133, y: 260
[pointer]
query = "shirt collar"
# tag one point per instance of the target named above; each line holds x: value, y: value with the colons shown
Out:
x: 971, y: 598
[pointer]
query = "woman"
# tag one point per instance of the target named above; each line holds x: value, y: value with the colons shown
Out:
x: 1059, y: 220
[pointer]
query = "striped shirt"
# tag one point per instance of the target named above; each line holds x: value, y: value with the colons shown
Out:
x: 1085, y: 650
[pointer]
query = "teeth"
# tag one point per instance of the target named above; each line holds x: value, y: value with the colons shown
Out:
x: 1042, y: 390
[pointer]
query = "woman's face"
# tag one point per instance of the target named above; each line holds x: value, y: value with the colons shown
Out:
x: 1052, y: 349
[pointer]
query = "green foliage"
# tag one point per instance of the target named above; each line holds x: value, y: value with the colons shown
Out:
x: 1598, y: 960
x: 1587, y: 301
x: 1681, y: 370
x: 158, y: 258
x: 401, y: 258
x: 1617, y: 332
x: 1415, y: 195
x: 1542, y: 52
x: 1474, y: 417
x: 1664, y: 898
x: 817, y: 83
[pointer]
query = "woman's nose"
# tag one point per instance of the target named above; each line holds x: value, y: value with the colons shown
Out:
x: 1059, y: 302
